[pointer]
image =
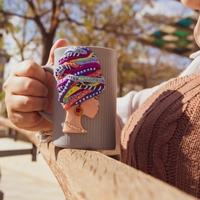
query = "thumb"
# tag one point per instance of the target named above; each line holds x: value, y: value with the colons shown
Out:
x: 58, y: 44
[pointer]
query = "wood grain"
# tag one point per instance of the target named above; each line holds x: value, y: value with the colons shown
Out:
x: 92, y: 175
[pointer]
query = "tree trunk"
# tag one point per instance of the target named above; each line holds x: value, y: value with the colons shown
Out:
x: 47, y: 41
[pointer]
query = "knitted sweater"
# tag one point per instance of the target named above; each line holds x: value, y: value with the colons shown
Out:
x: 162, y: 137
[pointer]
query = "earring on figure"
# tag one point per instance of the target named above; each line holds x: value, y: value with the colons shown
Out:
x: 78, y: 111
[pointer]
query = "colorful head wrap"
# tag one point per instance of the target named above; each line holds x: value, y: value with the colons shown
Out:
x: 78, y: 76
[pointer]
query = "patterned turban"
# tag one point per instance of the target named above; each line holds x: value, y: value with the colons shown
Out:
x: 78, y: 76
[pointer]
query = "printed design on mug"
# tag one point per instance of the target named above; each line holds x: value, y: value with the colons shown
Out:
x: 79, y: 82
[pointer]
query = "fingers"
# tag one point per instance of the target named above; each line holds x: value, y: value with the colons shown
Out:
x: 22, y: 109
x: 29, y: 69
x: 58, y: 44
x: 26, y: 103
x: 30, y: 121
x: 29, y: 87
x: 26, y: 93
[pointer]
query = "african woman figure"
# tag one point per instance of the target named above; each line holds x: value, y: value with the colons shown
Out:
x: 79, y: 83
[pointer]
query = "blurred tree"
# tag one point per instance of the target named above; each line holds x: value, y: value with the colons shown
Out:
x: 81, y: 21
x: 107, y: 23
x: 5, y: 26
x: 43, y: 18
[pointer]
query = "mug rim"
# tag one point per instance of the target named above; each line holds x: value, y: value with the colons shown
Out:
x: 97, y: 47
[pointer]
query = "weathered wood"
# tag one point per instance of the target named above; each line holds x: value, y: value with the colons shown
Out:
x: 91, y: 175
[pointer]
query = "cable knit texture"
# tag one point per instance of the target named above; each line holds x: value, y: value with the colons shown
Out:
x: 162, y: 137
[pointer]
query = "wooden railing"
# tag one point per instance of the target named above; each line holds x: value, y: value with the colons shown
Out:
x: 91, y: 175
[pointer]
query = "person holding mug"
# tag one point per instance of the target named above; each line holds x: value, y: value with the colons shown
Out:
x: 28, y: 92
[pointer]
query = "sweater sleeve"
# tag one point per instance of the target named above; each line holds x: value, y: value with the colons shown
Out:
x: 129, y: 103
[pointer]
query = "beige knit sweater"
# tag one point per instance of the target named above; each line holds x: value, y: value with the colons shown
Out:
x: 162, y: 137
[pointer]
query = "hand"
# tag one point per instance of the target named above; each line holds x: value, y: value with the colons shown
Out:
x: 29, y: 89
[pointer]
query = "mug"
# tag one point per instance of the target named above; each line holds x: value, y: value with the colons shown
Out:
x: 100, y: 130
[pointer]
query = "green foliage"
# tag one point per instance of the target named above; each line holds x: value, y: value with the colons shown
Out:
x: 107, y: 23
x: 1, y: 4
x: 2, y: 95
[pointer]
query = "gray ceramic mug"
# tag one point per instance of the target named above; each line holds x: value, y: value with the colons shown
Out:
x: 101, y: 129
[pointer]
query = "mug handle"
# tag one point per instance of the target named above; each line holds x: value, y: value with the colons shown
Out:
x: 47, y: 116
